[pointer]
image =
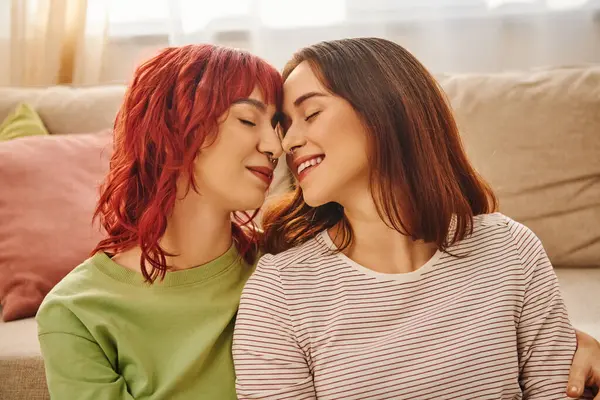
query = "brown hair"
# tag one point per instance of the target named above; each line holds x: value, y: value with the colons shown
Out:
x: 421, y: 179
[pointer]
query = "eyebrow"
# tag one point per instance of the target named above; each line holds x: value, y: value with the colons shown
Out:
x: 256, y: 103
x: 307, y: 96
x: 284, y: 118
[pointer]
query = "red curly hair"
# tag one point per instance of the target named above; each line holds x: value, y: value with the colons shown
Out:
x: 170, y: 109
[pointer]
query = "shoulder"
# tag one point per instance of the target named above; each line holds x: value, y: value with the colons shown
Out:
x: 58, y: 309
x: 76, y: 281
x: 294, y: 267
x: 491, y: 221
x: 499, y: 234
x: 506, y: 235
x: 280, y: 280
x: 517, y: 233
x: 501, y: 224
x: 307, y: 253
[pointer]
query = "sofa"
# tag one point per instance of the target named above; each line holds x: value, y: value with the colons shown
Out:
x: 534, y: 135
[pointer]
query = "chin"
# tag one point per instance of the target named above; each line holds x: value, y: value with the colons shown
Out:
x: 315, y: 198
x: 251, y: 201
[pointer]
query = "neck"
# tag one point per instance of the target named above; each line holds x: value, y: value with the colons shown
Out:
x: 196, y: 233
x: 377, y: 246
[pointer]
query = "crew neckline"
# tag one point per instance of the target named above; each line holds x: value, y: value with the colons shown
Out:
x: 399, y: 277
x: 190, y: 276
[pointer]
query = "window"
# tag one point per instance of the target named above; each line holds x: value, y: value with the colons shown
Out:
x: 135, y: 17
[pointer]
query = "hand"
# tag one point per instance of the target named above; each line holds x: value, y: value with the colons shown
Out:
x: 585, y: 370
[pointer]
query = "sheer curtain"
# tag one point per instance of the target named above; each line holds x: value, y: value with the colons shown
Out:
x: 85, y: 42
x: 447, y: 35
x: 46, y: 42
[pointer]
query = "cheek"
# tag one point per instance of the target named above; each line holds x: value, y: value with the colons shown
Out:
x: 239, y: 143
x: 216, y: 163
x: 347, y: 161
x: 232, y: 149
x: 345, y: 141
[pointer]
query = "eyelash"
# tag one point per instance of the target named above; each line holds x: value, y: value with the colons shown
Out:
x: 311, y: 116
x: 307, y: 119
x: 246, y: 122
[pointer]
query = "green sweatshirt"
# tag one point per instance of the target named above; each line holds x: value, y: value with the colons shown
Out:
x: 107, y: 335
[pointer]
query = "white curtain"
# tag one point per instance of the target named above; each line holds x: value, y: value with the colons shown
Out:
x: 447, y: 35
x: 84, y: 42
x: 47, y: 42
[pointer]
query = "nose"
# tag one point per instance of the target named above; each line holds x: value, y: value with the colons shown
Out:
x: 269, y: 144
x: 292, y: 140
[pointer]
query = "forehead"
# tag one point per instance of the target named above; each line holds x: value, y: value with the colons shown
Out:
x: 302, y: 80
x: 258, y: 95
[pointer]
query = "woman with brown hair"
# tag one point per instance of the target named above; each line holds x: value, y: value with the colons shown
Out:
x: 391, y: 275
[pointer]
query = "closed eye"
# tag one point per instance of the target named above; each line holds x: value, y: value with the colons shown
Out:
x: 313, y: 115
x: 246, y: 122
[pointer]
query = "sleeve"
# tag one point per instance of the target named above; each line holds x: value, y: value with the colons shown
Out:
x: 76, y: 366
x: 269, y: 360
x: 545, y: 338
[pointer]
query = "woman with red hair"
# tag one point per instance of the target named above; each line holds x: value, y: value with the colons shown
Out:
x: 150, y: 314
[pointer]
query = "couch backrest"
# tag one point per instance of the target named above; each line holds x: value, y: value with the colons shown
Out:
x: 534, y: 135
x: 67, y: 110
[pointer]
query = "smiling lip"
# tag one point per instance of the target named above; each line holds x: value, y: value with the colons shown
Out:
x: 263, y: 173
x: 298, y: 161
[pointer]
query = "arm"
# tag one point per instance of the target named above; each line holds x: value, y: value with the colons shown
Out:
x: 269, y: 361
x: 76, y: 366
x: 546, y: 339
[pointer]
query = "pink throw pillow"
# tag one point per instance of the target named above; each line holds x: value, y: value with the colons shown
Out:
x: 48, y: 192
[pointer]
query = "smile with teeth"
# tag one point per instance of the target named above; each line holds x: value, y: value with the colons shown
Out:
x: 309, y: 163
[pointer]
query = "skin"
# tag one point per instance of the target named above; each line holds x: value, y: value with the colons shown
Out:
x: 585, y: 370
x: 319, y: 124
x: 246, y: 138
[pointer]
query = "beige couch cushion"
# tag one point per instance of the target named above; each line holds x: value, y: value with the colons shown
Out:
x: 22, y: 375
x: 23, y: 378
x: 579, y: 288
x: 19, y: 339
x: 65, y: 109
x: 536, y: 138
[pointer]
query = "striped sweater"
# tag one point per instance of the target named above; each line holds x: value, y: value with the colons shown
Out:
x: 484, y: 320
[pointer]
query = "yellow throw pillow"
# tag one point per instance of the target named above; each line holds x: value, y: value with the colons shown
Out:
x: 23, y: 121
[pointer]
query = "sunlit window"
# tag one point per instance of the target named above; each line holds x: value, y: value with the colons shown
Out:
x: 131, y: 17
x: 281, y: 14
x: 194, y: 15
x: 550, y: 4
